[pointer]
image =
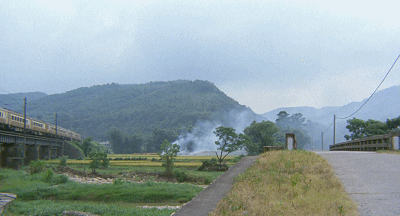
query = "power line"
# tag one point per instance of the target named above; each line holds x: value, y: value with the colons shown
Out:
x: 373, y: 92
x: 328, y: 127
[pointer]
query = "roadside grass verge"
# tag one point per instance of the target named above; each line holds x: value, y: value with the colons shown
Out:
x: 287, y: 183
x: 388, y: 151
x: 48, y: 207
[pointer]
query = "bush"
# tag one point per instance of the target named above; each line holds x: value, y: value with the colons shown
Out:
x: 37, y: 166
x: 63, y: 160
x: 118, y: 181
x: 212, y: 165
x: 48, y: 176
x: 98, y: 159
x: 61, y: 179
x: 236, y: 159
x: 207, y: 180
x: 181, y: 176
x: 149, y: 183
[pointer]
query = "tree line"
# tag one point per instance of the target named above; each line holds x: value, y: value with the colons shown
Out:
x: 253, y: 138
x: 360, y: 128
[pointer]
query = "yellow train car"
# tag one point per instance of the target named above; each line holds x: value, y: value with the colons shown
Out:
x: 15, y: 121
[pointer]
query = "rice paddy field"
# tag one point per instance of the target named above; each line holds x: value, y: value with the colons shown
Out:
x: 136, y: 183
x: 148, y: 160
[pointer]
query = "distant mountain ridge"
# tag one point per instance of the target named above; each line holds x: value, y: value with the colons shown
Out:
x: 137, y: 108
x: 385, y: 104
x: 15, y: 101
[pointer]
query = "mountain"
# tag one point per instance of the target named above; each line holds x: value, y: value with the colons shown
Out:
x: 138, y: 108
x: 385, y: 104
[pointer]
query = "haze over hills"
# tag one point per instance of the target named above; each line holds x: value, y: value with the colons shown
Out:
x: 179, y: 105
x: 139, y: 108
x: 384, y: 105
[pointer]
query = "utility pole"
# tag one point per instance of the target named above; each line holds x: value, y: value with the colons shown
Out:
x: 56, y: 122
x: 322, y: 137
x: 24, y: 127
x: 334, y: 129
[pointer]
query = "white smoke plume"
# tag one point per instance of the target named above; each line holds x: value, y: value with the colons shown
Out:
x: 201, y: 140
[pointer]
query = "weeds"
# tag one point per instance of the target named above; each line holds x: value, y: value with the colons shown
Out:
x: 287, y: 183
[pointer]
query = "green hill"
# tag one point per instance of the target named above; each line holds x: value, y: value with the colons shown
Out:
x: 137, y: 108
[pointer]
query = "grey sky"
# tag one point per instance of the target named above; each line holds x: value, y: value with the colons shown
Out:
x: 264, y: 54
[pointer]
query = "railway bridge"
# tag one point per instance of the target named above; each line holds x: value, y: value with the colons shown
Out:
x: 17, y: 148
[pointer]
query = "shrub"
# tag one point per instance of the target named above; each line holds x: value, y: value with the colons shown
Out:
x: 236, y: 159
x: 207, y: 180
x: 98, y: 159
x: 212, y: 165
x: 118, y: 181
x: 63, y: 160
x: 48, y: 175
x: 149, y: 183
x: 181, y: 176
x: 37, y: 166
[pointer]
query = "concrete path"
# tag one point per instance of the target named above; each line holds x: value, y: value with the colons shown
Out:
x: 371, y: 179
x: 206, y: 201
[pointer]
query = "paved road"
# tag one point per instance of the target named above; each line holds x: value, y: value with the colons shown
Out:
x: 371, y: 179
x: 206, y: 201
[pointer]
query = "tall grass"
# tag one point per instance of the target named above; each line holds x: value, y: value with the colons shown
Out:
x: 287, y: 183
x: 47, y: 207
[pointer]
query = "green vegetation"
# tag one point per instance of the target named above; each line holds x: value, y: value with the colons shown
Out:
x: 228, y: 141
x: 47, y: 207
x: 167, y: 155
x: 261, y: 134
x: 137, y: 109
x: 292, y: 124
x: 45, y: 186
x: 98, y: 160
x: 287, y: 183
x: 360, y: 128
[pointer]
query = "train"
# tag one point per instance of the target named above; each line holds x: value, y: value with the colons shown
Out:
x: 10, y: 120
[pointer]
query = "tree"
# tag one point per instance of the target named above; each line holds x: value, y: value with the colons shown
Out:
x: 157, y: 138
x: 393, y: 123
x: 228, y: 141
x: 116, y: 138
x: 360, y: 128
x: 260, y: 134
x: 98, y: 160
x: 86, y: 147
x: 284, y: 120
x: 167, y: 154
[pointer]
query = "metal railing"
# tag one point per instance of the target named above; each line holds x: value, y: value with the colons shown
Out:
x: 372, y: 143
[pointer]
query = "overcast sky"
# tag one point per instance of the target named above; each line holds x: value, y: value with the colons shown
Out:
x: 264, y: 54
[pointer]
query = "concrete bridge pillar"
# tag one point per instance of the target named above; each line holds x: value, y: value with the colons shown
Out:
x: 32, y: 154
x: 44, y: 152
x: 4, y: 155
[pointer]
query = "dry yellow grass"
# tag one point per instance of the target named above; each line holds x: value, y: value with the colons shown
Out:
x: 287, y: 183
x: 389, y: 151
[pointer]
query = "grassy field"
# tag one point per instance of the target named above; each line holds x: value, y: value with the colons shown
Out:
x: 287, y: 183
x: 47, y: 193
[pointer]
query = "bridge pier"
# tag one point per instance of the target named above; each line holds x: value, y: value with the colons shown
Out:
x: 11, y: 156
x: 32, y: 154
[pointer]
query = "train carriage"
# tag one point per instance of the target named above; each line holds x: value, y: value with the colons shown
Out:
x: 15, y: 121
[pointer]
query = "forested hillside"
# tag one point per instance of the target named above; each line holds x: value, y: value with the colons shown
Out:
x: 136, y: 108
